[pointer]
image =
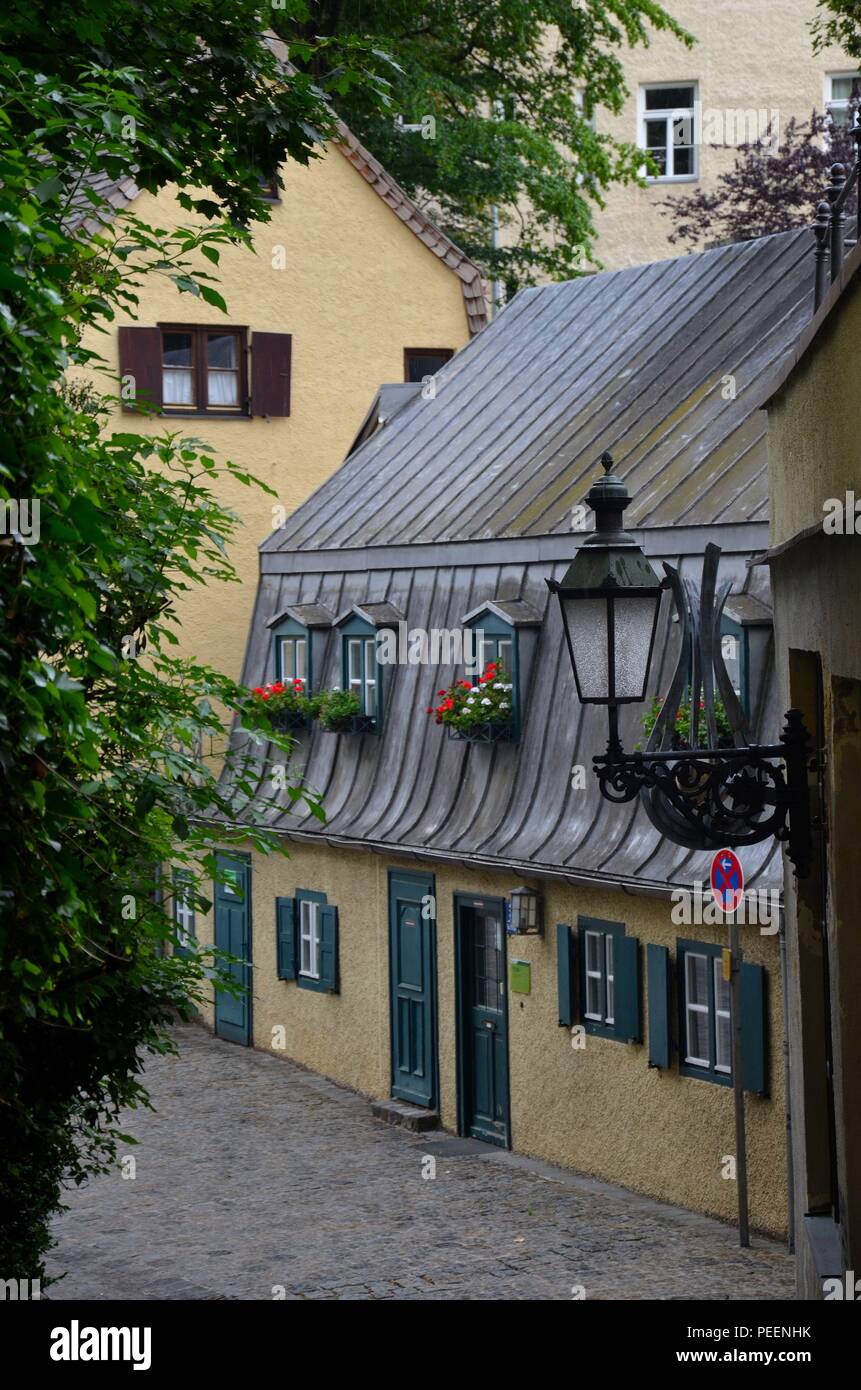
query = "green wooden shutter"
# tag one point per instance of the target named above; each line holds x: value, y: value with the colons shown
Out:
x: 753, y: 1057
x: 658, y: 984
x: 285, y: 931
x: 329, y: 948
x: 565, y: 947
x: 626, y: 965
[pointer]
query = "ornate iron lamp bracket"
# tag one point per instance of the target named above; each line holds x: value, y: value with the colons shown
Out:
x: 726, y: 792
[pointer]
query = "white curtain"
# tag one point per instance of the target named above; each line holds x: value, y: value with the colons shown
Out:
x: 222, y: 388
x: 177, y: 386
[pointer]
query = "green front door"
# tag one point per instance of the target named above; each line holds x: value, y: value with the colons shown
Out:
x: 412, y: 966
x: 483, y: 1072
x: 233, y: 934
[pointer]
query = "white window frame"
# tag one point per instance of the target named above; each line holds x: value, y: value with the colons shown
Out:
x: 725, y: 1068
x: 183, y: 912
x: 666, y: 114
x: 309, y: 936
x: 369, y: 702
x: 833, y: 103
x: 691, y: 1008
x: 298, y: 645
x: 609, y: 980
x: 592, y: 974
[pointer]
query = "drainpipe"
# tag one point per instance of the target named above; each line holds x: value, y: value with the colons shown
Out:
x: 790, y: 1167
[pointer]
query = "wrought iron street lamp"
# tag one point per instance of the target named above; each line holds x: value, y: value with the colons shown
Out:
x: 706, y: 795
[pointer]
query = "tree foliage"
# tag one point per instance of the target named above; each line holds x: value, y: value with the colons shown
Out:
x: 105, y: 732
x: 509, y: 88
x: 839, y: 23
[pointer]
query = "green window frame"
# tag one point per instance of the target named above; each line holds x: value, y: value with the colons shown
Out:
x: 609, y: 969
x: 360, y: 669
x: 496, y: 640
x: 306, y: 927
x: 709, y: 1001
x: 705, y: 1013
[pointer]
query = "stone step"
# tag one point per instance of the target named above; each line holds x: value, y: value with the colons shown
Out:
x: 405, y: 1114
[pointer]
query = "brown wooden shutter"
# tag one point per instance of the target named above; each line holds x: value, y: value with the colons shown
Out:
x: 140, y: 359
x: 270, y: 373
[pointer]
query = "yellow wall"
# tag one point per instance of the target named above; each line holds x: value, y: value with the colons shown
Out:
x: 813, y: 433
x: 749, y: 54
x: 358, y: 288
x: 813, y: 430
x: 601, y: 1110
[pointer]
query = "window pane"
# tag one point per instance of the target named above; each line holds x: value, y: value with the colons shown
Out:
x: 221, y: 350
x: 683, y: 162
x: 698, y: 1037
x: 656, y: 136
x: 504, y: 649
x: 611, y: 988
x: 841, y: 88
x: 696, y: 974
x: 222, y: 388
x: 176, y: 349
x: 177, y: 387
x: 593, y: 951
x: 300, y: 670
x: 354, y: 660
x: 288, y: 667
x: 370, y: 677
x: 723, y: 996
x: 177, y: 379
x: 669, y: 98
x: 420, y: 365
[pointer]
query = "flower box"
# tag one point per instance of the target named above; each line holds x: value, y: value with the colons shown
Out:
x: 351, y: 724
x: 494, y: 731
x: 287, y: 719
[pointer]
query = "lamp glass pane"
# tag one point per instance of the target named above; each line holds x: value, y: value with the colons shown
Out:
x: 635, y: 619
x: 586, y: 620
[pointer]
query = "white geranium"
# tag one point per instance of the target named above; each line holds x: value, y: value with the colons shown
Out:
x: 504, y: 705
x: 485, y: 701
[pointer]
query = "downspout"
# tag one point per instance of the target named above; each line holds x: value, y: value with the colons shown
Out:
x: 790, y: 1167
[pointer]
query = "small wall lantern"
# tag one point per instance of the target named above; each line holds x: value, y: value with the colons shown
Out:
x: 524, y: 917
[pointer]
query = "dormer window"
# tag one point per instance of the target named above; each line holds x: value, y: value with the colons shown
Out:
x: 292, y: 660
x: 362, y: 671
x: 299, y: 636
x: 506, y: 633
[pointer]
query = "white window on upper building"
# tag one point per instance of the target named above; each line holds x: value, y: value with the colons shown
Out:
x: 840, y: 88
x: 668, y: 128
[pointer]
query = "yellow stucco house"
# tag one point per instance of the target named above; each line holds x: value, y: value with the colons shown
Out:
x: 381, y: 952
x: 351, y: 286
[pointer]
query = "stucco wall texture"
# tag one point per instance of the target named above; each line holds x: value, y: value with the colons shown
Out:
x: 600, y: 1110
x: 357, y: 288
x: 813, y: 429
x: 750, y: 55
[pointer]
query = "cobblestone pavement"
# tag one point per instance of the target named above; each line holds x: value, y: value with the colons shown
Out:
x: 253, y: 1174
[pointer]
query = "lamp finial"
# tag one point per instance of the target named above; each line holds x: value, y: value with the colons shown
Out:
x: 606, y: 461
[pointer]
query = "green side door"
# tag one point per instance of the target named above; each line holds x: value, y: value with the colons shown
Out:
x: 483, y: 1072
x: 412, y: 976
x: 233, y: 934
